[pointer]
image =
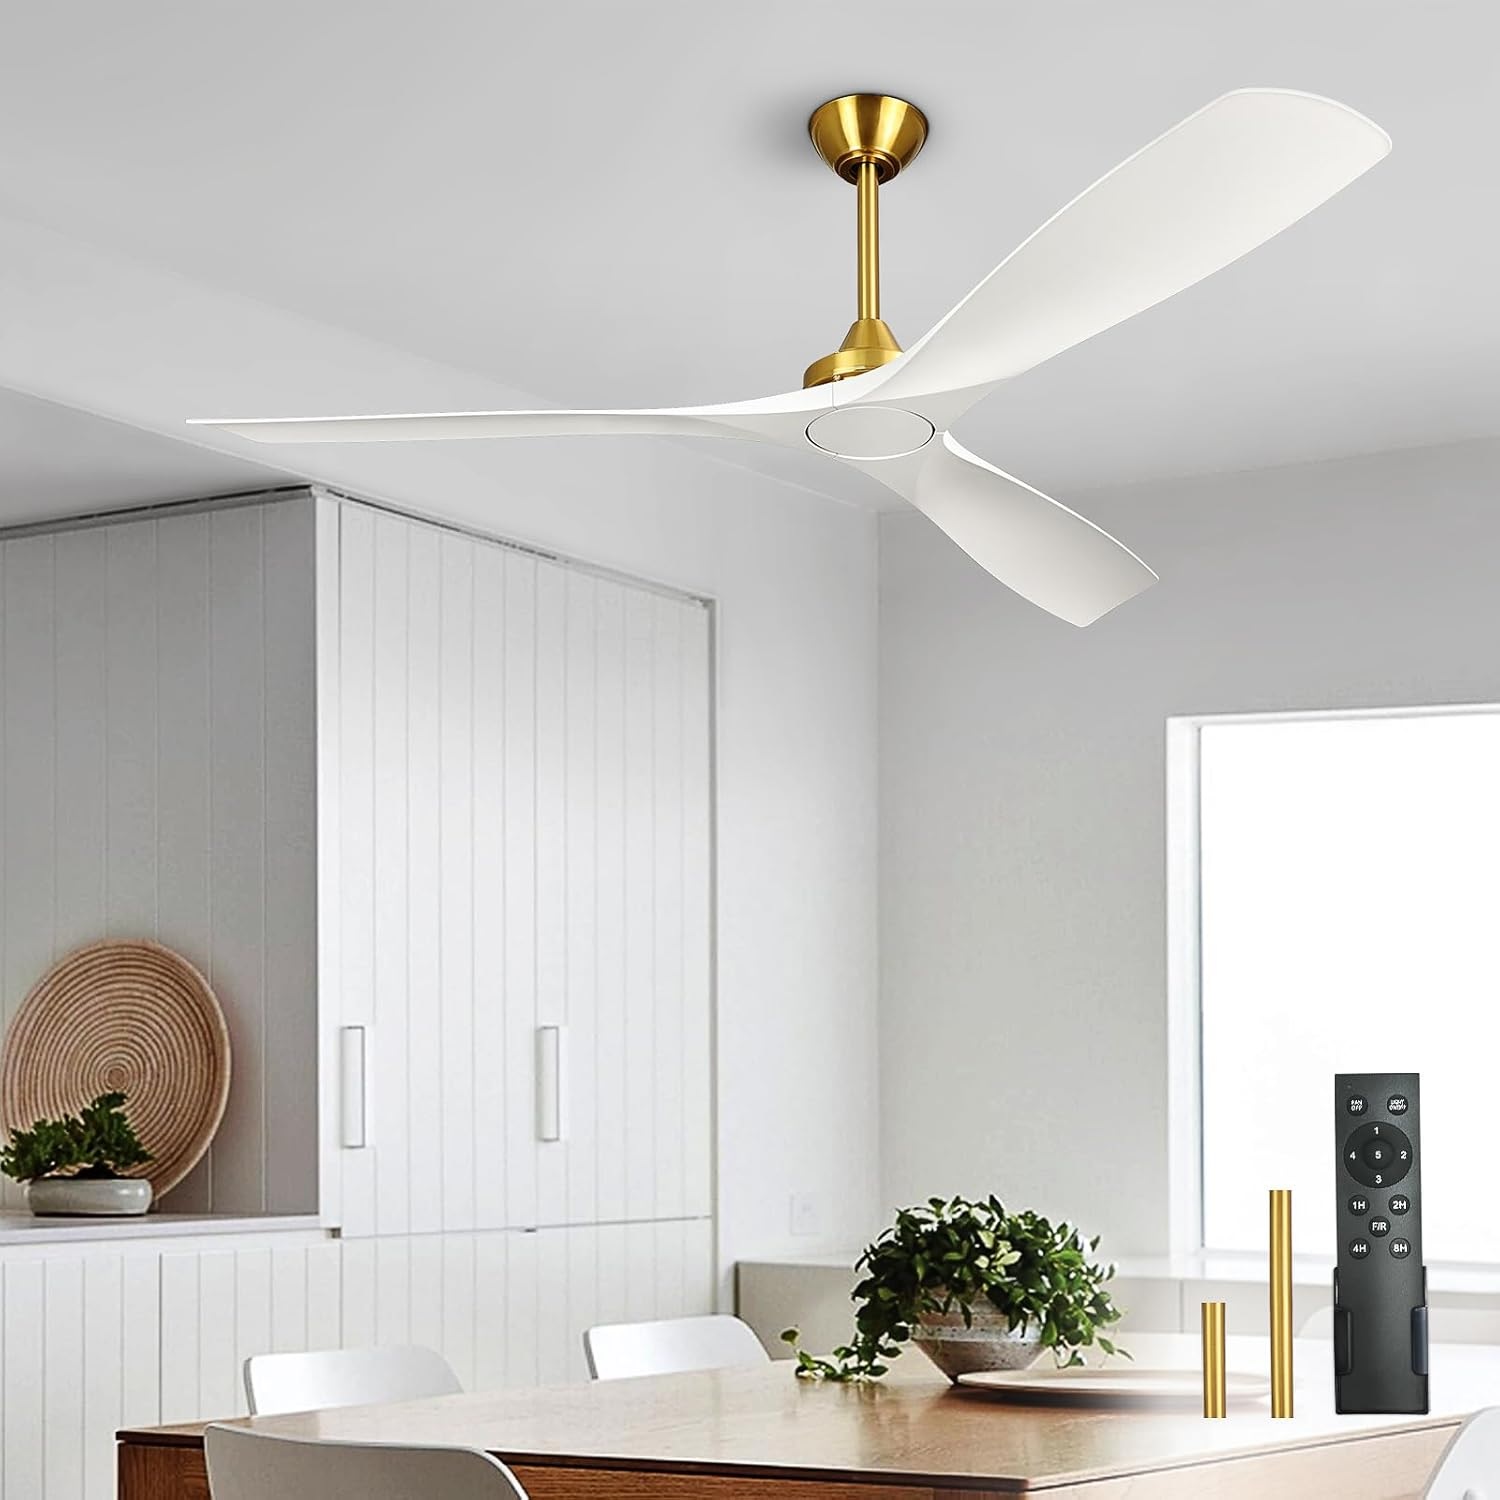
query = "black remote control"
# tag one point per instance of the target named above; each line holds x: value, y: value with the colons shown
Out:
x: 1380, y: 1284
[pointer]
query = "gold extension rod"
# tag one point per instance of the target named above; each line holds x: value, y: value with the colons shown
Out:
x: 1215, y: 1381
x: 1281, y: 1302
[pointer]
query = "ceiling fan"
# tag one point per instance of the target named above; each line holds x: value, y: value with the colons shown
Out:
x: 1223, y: 181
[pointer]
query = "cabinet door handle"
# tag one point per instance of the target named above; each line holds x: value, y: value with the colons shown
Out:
x: 550, y: 1072
x: 352, y: 1116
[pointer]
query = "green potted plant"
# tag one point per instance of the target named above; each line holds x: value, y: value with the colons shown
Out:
x: 77, y: 1165
x: 975, y: 1287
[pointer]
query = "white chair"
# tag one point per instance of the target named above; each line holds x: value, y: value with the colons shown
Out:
x: 345, y: 1377
x: 670, y: 1346
x: 245, y: 1465
x: 1469, y: 1468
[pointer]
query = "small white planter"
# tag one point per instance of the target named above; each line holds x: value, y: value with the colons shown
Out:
x: 112, y: 1197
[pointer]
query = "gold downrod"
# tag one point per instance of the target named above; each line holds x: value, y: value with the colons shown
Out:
x: 1215, y: 1394
x: 868, y: 184
x: 1281, y: 1302
x: 867, y: 139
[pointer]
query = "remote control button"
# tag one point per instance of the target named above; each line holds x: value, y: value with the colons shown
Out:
x: 1396, y: 1104
x: 1400, y: 1249
x: 1380, y: 1227
x: 1377, y: 1154
x: 1357, y: 1104
x: 1361, y: 1248
x: 1359, y: 1205
x: 1400, y: 1203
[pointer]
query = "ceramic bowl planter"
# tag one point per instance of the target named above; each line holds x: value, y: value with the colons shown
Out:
x: 112, y: 1197
x: 947, y: 1257
x: 987, y: 1343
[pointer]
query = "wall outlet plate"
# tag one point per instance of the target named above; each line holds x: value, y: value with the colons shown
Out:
x: 806, y: 1216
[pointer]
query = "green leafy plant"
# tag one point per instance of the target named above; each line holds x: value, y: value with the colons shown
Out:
x: 957, y: 1256
x: 96, y: 1142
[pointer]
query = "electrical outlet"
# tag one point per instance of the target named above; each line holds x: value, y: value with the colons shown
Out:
x: 806, y: 1213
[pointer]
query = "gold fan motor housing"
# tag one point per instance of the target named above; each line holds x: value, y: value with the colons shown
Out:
x: 866, y: 139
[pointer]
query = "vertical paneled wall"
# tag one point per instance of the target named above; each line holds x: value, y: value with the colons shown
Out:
x: 157, y: 766
x: 524, y: 809
x: 99, y: 1338
x: 510, y: 1307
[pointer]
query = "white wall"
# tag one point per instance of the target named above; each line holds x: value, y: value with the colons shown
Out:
x: 795, y: 579
x: 1023, y: 1016
x: 157, y: 768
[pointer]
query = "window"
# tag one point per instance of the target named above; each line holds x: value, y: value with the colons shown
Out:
x: 1342, y: 875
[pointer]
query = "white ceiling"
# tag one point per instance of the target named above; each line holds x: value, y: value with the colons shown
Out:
x: 615, y: 203
x: 57, y: 461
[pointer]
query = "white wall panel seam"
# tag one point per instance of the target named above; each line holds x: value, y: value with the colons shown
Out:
x: 156, y: 729
x: 260, y: 526
x: 52, y: 789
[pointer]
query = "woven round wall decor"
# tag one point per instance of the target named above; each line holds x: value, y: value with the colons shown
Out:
x: 128, y: 1017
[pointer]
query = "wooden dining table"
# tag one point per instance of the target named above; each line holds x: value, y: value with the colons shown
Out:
x: 762, y: 1434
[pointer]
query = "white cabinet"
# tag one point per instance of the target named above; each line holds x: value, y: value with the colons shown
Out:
x: 95, y: 1337
x: 523, y: 760
x: 98, y: 1336
x: 508, y: 1307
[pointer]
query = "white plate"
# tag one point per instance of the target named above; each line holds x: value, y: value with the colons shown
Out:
x: 1114, y: 1385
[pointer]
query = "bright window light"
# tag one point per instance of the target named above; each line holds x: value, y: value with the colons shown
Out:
x: 1349, y: 905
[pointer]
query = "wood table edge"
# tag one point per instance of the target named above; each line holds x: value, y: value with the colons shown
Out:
x: 179, y: 1435
x: 189, y: 1436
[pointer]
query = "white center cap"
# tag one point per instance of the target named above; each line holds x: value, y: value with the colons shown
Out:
x: 869, y: 432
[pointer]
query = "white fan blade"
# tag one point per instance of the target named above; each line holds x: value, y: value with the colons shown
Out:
x: 1210, y: 190
x: 410, y: 427
x: 772, y: 418
x: 1045, y: 552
